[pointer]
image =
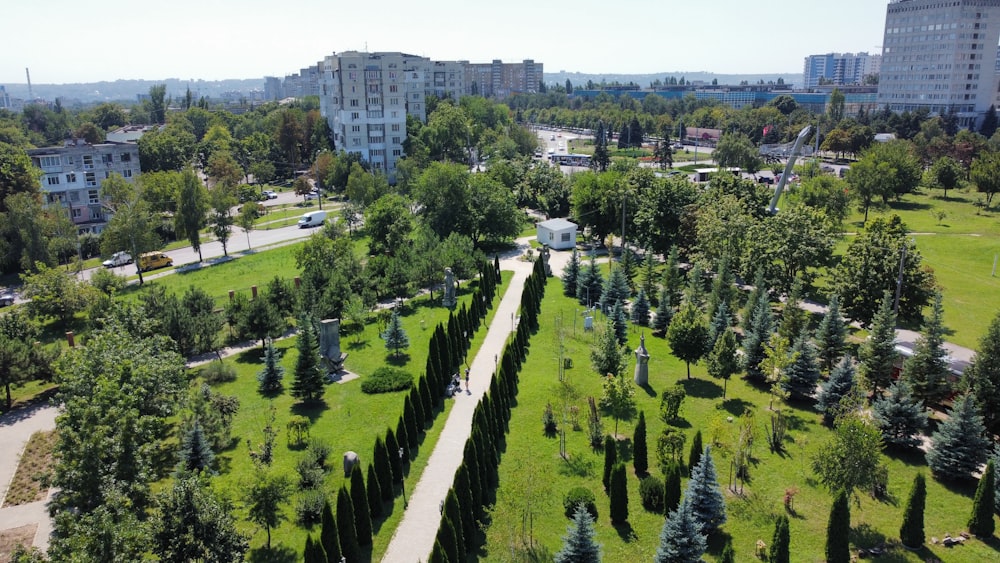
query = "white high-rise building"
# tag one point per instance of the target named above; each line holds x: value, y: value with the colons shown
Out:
x: 940, y: 55
x: 839, y: 68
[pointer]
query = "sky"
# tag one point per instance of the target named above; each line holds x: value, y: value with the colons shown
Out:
x: 68, y: 41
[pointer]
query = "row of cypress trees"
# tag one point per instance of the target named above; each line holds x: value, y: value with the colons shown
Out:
x: 347, y: 534
x: 477, y: 477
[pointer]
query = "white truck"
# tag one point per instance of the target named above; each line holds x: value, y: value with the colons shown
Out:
x: 312, y: 219
x: 118, y: 259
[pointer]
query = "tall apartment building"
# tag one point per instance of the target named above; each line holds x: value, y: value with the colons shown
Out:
x: 841, y: 69
x: 940, y: 55
x: 72, y: 176
x: 499, y: 80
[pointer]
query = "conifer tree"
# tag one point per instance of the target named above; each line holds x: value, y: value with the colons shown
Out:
x: 728, y: 553
x: 359, y: 501
x: 464, y: 494
x: 329, y: 537
x: 610, y: 460
x: 927, y: 369
x: 349, y: 547
x: 664, y: 313
x: 671, y: 487
x: 438, y: 554
x: 270, y: 376
x: 447, y: 536
x: 707, y: 503
x: 640, y: 459
x: 640, y: 309
x: 419, y: 419
x: 779, y: 551
x: 308, y: 384
x: 758, y: 293
x: 195, y: 453
x: 383, y: 468
x: 721, y: 320
x: 619, y: 494
x: 722, y: 361
x: 395, y: 336
x: 688, y: 335
x: 755, y: 341
x: 723, y: 288
x: 608, y: 356
x: 694, y: 454
x: 911, y: 533
x: 840, y: 385
x: 453, y: 513
x: 793, y: 317
x: 313, y: 552
x: 589, y: 283
x: 984, y: 376
x: 403, y: 439
x: 838, y: 529
x: 374, y: 493
x: 878, y: 353
x: 981, y: 522
x: 959, y: 444
x: 673, y: 278
x: 800, y: 376
x: 620, y: 323
x: 410, y: 420
x: 426, y: 403
x: 570, y: 274
x: 647, y: 280
x: 471, y: 460
x: 681, y: 539
x: 900, y: 416
x: 392, y: 450
x: 615, y: 289
x: 831, y: 335
x: 694, y: 291
x: 578, y: 543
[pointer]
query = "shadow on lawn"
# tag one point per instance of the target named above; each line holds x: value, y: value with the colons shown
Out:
x: 626, y: 533
x: 310, y: 409
x: 701, y: 388
x: 577, y: 466
x: 648, y: 389
x: 736, y: 407
x: 277, y: 554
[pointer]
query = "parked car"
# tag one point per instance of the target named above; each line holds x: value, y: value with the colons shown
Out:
x: 118, y: 259
x: 269, y: 194
x: 153, y: 260
x: 7, y: 297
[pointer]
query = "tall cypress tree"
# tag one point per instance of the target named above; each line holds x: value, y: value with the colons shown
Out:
x: 878, y: 353
x: 328, y: 535
x: 419, y: 418
x: 779, y: 552
x: 471, y: 460
x: 359, y: 501
x: 410, y: 420
x: 640, y: 459
x: 438, y: 554
x: 453, y: 513
x: 981, y: 522
x: 463, y: 488
x: 313, y: 552
x: 403, y: 439
x: 447, y: 532
x: 911, y: 533
x: 349, y: 547
x: 671, y: 487
x: 383, y: 468
x: 694, y: 454
x: 374, y: 491
x: 619, y: 494
x: 395, y: 461
x: 831, y: 335
x: 610, y: 459
x: 426, y: 403
x: 838, y: 529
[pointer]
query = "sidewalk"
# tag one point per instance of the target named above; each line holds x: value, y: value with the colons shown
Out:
x: 15, y: 430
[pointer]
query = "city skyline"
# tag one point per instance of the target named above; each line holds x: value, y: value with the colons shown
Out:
x: 210, y: 41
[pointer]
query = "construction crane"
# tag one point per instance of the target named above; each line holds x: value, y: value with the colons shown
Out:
x: 788, y: 168
x: 27, y: 73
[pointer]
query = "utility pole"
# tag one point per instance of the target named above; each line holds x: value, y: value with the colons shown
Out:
x: 899, y: 281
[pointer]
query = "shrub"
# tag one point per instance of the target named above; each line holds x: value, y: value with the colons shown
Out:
x: 309, y: 508
x: 310, y: 474
x: 549, y: 420
x: 651, y: 492
x: 577, y: 496
x: 319, y: 451
x: 218, y: 372
x: 387, y: 380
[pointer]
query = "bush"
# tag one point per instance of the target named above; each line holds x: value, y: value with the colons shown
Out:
x: 218, y: 372
x: 651, y: 492
x: 577, y: 496
x: 387, y: 380
x: 549, y: 420
x: 309, y: 508
x: 319, y: 452
x: 310, y: 474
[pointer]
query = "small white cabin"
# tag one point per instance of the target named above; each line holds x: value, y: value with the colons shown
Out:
x: 557, y: 234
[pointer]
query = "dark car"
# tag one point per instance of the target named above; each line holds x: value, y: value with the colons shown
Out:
x: 7, y: 297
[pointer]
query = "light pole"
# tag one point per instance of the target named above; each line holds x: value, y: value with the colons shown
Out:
x: 496, y: 364
x: 402, y: 479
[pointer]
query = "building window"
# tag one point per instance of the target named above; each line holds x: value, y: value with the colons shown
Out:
x: 74, y: 196
x: 397, y: 152
x: 49, y: 161
x: 355, y: 128
x: 107, y: 159
x: 53, y: 180
x: 77, y: 212
x: 354, y: 103
x: 71, y: 178
x: 395, y: 140
x: 88, y: 162
x: 392, y: 87
x: 355, y: 115
x: 90, y: 179
x: 564, y: 237
x: 127, y: 173
x: 395, y: 127
x: 92, y: 196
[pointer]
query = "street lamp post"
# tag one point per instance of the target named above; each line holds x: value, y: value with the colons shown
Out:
x: 402, y: 478
x: 496, y: 364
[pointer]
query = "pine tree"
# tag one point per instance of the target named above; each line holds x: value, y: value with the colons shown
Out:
x: 800, y: 376
x: 927, y: 369
x: 694, y: 454
x: 671, y: 487
x: 981, y: 522
x: 688, y: 335
x: 681, y: 539
x: 707, y: 503
x: 418, y: 409
x: 608, y: 356
x: 570, y: 273
x: 779, y: 552
x: 463, y: 491
x: 395, y: 461
x: 619, y: 494
x: 840, y: 385
x: 410, y: 420
x: 722, y: 361
x: 383, y: 469
x: 374, y: 493
x: 831, y: 335
x: 911, y: 533
x: 349, y: 547
x: 270, y: 376
x: 984, y: 376
x: 647, y: 280
x: 723, y: 288
x: 959, y: 444
x: 620, y: 323
x: 453, y: 513
x: 838, y: 530
x: 313, y: 552
x: 793, y: 317
x: 721, y: 320
x: 878, y: 353
x: 615, y: 289
x: 426, y: 403
x: 589, y: 283
x: 195, y: 453
x: 610, y: 460
x: 640, y: 309
x: 640, y: 459
x: 664, y: 313
x: 359, y: 501
x: 694, y: 291
x: 755, y: 341
x: 900, y: 416
x: 395, y: 336
x: 578, y: 543
x: 403, y: 439
x: 329, y: 537
x: 308, y: 384
x: 758, y: 293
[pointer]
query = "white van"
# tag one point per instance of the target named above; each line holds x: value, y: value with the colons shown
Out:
x: 312, y: 219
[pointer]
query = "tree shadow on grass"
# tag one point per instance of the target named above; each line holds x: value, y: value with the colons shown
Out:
x: 397, y: 360
x: 310, y: 409
x: 865, y: 536
x: 358, y: 345
x: 626, y: 532
x: 909, y: 206
x: 277, y: 554
x: 912, y: 457
x: 717, y: 542
x: 577, y: 466
x: 701, y: 388
x: 964, y: 487
x: 736, y: 407
x: 251, y: 356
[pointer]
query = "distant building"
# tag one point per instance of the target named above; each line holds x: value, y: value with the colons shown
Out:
x: 839, y: 68
x: 4, y: 98
x: 940, y: 56
x: 128, y: 133
x: 557, y: 234
x: 499, y: 80
x: 273, y: 90
x: 72, y: 176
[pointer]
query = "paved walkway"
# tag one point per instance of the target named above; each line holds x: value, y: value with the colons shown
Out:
x: 15, y: 429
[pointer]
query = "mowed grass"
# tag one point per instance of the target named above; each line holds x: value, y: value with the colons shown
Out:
x: 534, y: 478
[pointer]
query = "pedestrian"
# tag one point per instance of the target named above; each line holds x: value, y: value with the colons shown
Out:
x: 467, y: 392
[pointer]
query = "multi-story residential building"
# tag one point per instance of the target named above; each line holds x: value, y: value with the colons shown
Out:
x: 72, y: 176
x: 273, y: 90
x: 4, y: 98
x: 940, y: 56
x: 499, y: 80
x: 839, y: 68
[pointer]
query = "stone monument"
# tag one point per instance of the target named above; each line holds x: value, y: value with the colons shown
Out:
x: 449, y: 300
x: 329, y: 346
x: 350, y: 460
x: 545, y: 260
x: 641, y: 363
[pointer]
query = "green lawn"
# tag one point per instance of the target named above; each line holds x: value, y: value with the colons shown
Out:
x: 534, y: 478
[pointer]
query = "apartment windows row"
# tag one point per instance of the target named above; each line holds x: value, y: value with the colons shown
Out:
x: 74, y: 196
x: 90, y: 177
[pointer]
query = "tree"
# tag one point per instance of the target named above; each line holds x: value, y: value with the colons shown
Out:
x: 20, y: 359
x: 395, y: 336
x: 945, y: 173
x: 838, y: 530
x: 755, y: 340
x: 329, y: 537
x: 640, y: 309
x: 688, y: 335
x: 900, y: 417
x: 800, y: 376
x: 600, y: 159
x: 878, y: 353
x: 132, y: 221
x: 192, y: 523
x: 192, y: 207
x: 17, y: 174
x: 853, y: 457
x: 835, y: 390
x: 359, y: 500
x: 308, y: 384
x: 927, y: 369
x: 615, y: 289
x: 221, y: 216
x: 570, y: 273
x: 578, y: 543
x: 671, y: 487
x: 984, y: 376
x: 195, y: 453
x: 831, y: 335
x: 707, y: 503
x: 618, y: 397
x: 694, y: 454
x: 981, y: 522
x: 157, y: 105
x: 349, y: 547
x: 247, y: 219
x: 619, y: 322
x: 959, y: 445
x: 589, y: 283
x: 779, y: 550
x: 610, y: 460
x: 313, y: 552
x: 640, y: 458
x: 989, y: 125
x: 264, y: 498
x: 270, y: 376
x: 722, y: 360
x: 985, y: 174
x: 737, y: 150
x: 884, y: 170
x: 608, y: 356
x: 618, y: 493
x: 681, y: 539
x: 911, y: 532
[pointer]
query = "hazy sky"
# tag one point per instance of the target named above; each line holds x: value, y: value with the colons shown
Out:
x: 65, y: 41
